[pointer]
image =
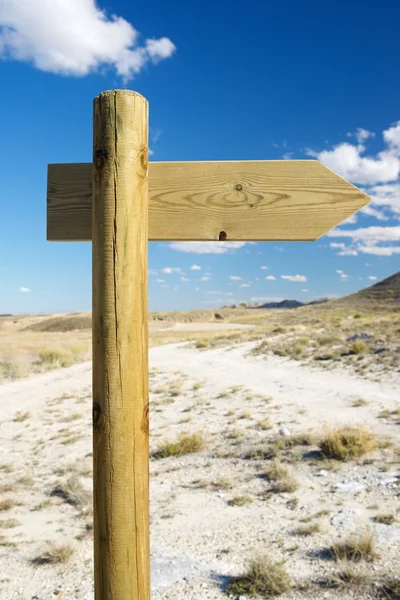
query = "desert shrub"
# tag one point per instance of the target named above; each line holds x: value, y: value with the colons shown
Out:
x: 263, y: 577
x: 355, y: 548
x: 53, y: 555
x: 346, y: 443
x: 185, y: 444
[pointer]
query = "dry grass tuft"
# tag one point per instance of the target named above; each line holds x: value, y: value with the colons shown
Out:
x: 308, y: 529
x: 355, y: 548
x: 72, y: 491
x: 53, y: 555
x: 240, y: 501
x: 185, y: 444
x: 346, y: 443
x: 385, y: 519
x: 21, y: 416
x: 390, y: 589
x: 347, y: 576
x: 263, y: 577
x: 10, y: 523
x: 282, y: 478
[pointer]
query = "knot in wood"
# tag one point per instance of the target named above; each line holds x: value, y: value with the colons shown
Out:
x: 100, y: 157
x: 96, y: 414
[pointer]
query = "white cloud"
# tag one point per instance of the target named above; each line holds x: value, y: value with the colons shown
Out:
x: 264, y: 268
x: 367, y: 240
x: 372, y: 278
x: 271, y: 278
x: 235, y: 278
x: 160, y: 280
x: 197, y: 289
x: 368, y: 234
x: 347, y: 252
x: 152, y: 272
x: 368, y: 265
x: 346, y: 160
x: 195, y: 268
x: 205, y: 278
x: 184, y: 279
x: 304, y: 290
x: 244, y: 285
x: 206, y: 247
x: 392, y: 135
x: 294, y: 278
x: 169, y: 270
x: 279, y: 248
x: 24, y: 289
x: 75, y: 37
x: 287, y: 156
x: 337, y: 245
x: 342, y: 274
x: 380, y: 250
x: 350, y: 220
x: 217, y: 293
x: 374, y: 212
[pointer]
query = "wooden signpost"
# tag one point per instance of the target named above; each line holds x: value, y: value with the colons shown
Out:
x: 120, y: 202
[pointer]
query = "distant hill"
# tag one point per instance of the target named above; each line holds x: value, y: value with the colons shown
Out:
x: 70, y: 322
x: 384, y: 295
x: 283, y: 304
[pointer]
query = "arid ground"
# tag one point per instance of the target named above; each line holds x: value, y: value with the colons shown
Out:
x: 275, y: 454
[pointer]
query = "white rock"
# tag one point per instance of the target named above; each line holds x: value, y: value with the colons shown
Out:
x: 323, y: 473
x: 284, y: 431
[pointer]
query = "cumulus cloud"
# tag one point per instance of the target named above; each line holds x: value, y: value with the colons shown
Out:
x: 24, y: 289
x: 235, y: 278
x: 244, y: 285
x: 184, y: 279
x: 304, y: 290
x: 270, y: 278
x: 369, y: 240
x: 75, y: 37
x: 379, y: 176
x: 372, y: 278
x: 342, y: 274
x: 348, y: 161
x: 195, y: 268
x: 205, y: 278
x: 169, y: 270
x: 160, y: 280
x: 264, y: 268
x: 206, y: 247
x: 294, y: 278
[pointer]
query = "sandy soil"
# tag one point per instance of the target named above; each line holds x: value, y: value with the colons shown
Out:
x: 198, y: 539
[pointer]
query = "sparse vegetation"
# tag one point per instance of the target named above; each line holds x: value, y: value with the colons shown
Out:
x: 54, y: 554
x: 21, y: 416
x: 390, y: 589
x: 308, y: 529
x: 240, y: 501
x: 185, y: 444
x: 282, y: 479
x: 10, y: 523
x: 264, y: 577
x: 385, y: 519
x: 346, y: 443
x: 72, y: 492
x: 355, y: 548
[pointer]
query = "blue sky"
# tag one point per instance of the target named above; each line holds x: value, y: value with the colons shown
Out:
x: 225, y: 80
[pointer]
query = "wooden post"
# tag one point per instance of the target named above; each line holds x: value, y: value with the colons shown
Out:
x: 120, y: 347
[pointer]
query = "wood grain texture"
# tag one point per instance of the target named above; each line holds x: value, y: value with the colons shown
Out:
x: 120, y: 347
x: 282, y: 200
